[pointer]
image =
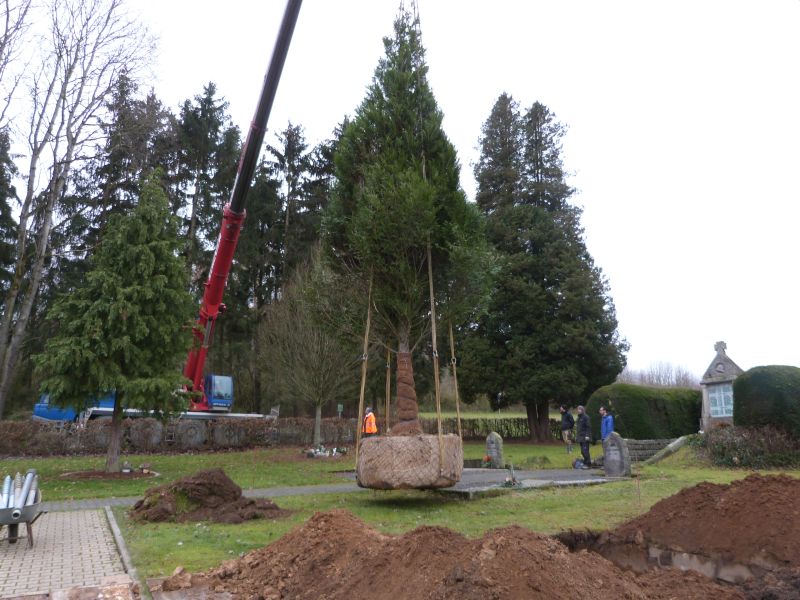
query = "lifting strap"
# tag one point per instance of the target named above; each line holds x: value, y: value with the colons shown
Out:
x: 455, y: 378
x: 388, y: 388
x: 360, y: 424
x: 435, y: 361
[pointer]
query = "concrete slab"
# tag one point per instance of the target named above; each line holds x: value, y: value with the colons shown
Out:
x: 71, y: 549
x: 480, y: 482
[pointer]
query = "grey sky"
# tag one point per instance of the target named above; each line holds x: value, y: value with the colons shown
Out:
x: 683, y: 132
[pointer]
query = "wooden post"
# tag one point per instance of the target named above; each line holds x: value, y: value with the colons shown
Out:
x: 435, y: 357
x: 455, y: 378
x: 360, y: 423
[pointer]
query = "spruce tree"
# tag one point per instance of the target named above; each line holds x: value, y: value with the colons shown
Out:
x: 126, y: 328
x: 397, y: 194
x: 550, y: 333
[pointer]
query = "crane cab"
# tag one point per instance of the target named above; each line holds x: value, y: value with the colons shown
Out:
x: 218, y: 390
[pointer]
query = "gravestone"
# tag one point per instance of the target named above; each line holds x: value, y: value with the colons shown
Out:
x: 494, y: 450
x: 616, y: 459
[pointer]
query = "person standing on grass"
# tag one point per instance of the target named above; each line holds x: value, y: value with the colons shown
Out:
x: 584, y: 436
x: 567, y: 425
x: 606, y: 423
x: 369, y: 427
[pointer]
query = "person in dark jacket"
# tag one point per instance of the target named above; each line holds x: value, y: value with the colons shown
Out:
x: 567, y: 425
x: 584, y: 436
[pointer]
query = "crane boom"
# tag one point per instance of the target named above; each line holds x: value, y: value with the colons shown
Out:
x: 234, y: 213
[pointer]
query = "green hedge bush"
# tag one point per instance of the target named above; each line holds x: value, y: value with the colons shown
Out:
x: 751, y: 447
x: 645, y: 413
x: 768, y: 396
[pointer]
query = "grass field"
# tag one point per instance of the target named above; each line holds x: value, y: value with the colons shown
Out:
x: 259, y: 468
x: 157, y: 549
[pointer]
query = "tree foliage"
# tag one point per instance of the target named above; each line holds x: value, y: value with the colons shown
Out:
x: 398, y: 190
x: 126, y: 328
x: 768, y: 395
x: 550, y: 332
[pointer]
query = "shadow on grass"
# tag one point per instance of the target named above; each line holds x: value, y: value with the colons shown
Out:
x: 404, y: 500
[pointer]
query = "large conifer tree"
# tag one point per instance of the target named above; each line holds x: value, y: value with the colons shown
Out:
x: 550, y: 334
x: 127, y: 328
x: 397, y: 193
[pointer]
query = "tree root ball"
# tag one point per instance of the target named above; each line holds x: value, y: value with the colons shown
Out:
x: 409, y: 462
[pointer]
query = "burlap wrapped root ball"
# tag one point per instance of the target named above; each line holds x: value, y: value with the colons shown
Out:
x: 409, y: 462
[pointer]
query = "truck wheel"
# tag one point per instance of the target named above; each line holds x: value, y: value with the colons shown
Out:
x: 146, y: 434
x: 192, y: 434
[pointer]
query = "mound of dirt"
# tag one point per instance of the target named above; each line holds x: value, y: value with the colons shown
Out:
x: 753, y: 521
x: 205, y: 496
x: 336, y: 556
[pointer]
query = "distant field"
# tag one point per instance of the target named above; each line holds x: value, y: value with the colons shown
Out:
x: 475, y: 415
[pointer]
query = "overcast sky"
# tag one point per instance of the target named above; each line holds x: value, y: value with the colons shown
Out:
x: 684, y: 125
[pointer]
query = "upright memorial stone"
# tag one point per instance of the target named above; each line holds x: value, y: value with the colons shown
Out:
x: 494, y: 450
x: 616, y: 459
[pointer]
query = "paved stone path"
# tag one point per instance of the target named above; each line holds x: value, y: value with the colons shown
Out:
x: 70, y: 549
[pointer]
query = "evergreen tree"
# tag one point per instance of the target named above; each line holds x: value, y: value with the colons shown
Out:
x: 397, y: 195
x: 209, y: 155
x: 126, y: 328
x: 550, y: 333
x: 498, y: 172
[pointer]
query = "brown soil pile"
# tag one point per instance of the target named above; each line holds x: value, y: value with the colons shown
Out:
x: 783, y: 584
x: 336, y: 556
x: 754, y: 521
x: 205, y: 496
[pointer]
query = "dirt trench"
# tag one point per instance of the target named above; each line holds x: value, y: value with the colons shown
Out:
x: 334, y: 556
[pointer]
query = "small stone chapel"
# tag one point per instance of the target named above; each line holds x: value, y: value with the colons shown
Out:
x: 717, y: 387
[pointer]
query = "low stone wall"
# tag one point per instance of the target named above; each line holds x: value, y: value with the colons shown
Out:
x: 641, y: 450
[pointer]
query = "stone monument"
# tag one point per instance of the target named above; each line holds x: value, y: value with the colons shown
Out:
x: 616, y: 459
x: 494, y: 450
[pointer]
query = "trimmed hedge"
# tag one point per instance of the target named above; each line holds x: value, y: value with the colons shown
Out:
x: 768, y: 396
x: 646, y: 413
x: 751, y: 447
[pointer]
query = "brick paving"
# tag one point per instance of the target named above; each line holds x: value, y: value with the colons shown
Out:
x: 70, y: 549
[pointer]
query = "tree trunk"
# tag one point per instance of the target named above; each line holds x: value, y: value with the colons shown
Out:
x: 115, y: 440
x: 318, y: 426
x: 539, y: 421
x: 8, y: 367
x: 407, y: 408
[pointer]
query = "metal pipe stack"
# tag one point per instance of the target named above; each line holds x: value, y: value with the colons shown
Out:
x: 19, y: 492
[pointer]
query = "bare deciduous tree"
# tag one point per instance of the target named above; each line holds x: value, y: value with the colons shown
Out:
x: 304, y: 361
x: 87, y: 45
x: 12, y: 30
x: 660, y: 374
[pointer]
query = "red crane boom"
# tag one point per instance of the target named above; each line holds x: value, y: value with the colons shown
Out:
x: 234, y: 213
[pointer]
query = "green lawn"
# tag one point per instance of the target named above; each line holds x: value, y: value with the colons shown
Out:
x: 249, y: 469
x: 158, y: 549
x: 257, y: 468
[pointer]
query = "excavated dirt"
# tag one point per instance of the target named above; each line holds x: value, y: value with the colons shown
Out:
x: 752, y: 521
x: 205, y: 496
x: 336, y: 556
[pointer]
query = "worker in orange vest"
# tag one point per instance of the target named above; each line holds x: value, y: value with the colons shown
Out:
x: 369, y: 427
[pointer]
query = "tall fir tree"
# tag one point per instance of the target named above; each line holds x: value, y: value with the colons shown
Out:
x: 550, y: 333
x: 398, y: 195
x: 127, y: 327
x: 209, y: 154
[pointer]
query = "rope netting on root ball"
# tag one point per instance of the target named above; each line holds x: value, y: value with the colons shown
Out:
x: 407, y: 458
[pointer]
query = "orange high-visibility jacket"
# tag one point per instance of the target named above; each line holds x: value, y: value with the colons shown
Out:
x: 369, y: 424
